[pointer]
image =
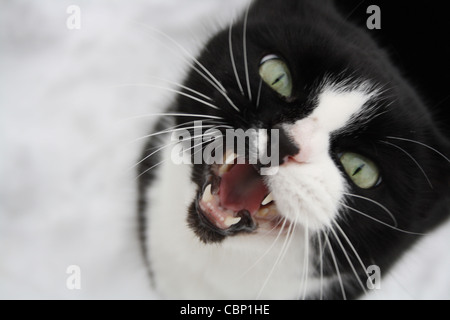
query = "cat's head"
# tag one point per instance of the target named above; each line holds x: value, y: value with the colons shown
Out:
x: 359, y: 152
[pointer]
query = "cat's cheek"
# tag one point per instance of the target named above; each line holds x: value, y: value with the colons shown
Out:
x: 308, y: 194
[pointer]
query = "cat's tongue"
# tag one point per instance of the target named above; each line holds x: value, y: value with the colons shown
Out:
x: 242, y: 188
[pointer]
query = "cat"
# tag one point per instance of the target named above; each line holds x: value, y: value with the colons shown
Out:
x: 363, y: 170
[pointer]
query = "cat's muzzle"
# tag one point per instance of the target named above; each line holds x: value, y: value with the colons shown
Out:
x: 234, y: 199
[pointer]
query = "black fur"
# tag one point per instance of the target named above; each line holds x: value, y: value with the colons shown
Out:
x: 317, y: 42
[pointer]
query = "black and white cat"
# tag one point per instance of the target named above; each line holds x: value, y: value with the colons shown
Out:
x: 363, y: 173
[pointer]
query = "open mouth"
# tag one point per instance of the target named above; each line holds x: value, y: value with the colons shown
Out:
x: 235, y: 198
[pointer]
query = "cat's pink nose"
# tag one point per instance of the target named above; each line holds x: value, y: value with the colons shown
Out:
x: 287, y: 149
x: 310, y: 139
x: 298, y: 158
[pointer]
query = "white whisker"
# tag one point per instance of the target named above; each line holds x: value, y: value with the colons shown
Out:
x: 152, y: 154
x: 321, y: 266
x: 245, y: 54
x: 283, y: 247
x: 204, y: 96
x: 306, y: 260
x: 168, y: 145
x: 422, y: 144
x: 151, y: 168
x: 363, y: 266
x: 183, y: 49
x: 233, y: 62
x: 337, y: 268
x: 175, y: 127
x: 381, y: 222
x: 206, y: 75
x: 290, y: 236
x: 348, y: 259
x: 174, y: 115
x: 145, y: 85
x: 412, y: 158
x: 377, y: 203
x: 163, y: 161
x: 275, y: 227
x: 269, y: 249
x: 259, y: 93
x: 180, y: 129
x: 207, y: 121
x: 223, y: 93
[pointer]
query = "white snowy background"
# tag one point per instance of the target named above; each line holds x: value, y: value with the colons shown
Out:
x: 68, y: 131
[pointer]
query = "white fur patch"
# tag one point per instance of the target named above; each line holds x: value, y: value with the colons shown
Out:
x: 241, y: 267
x: 309, y: 188
x: 341, y: 104
x: 307, y: 192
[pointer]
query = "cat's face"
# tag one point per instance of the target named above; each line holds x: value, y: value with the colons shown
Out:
x: 354, y: 167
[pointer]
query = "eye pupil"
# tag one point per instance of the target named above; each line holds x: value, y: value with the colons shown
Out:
x: 278, y: 79
x: 358, y: 170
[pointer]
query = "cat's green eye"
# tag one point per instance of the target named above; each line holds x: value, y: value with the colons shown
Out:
x: 275, y: 73
x: 363, y: 171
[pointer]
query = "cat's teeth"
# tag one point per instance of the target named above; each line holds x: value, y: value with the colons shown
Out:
x: 267, y: 213
x: 263, y: 212
x: 231, y: 221
x: 229, y: 161
x: 224, y: 169
x: 207, y: 195
x: 267, y: 199
x: 230, y: 157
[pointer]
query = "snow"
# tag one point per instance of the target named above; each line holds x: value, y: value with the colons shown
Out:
x: 68, y: 131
